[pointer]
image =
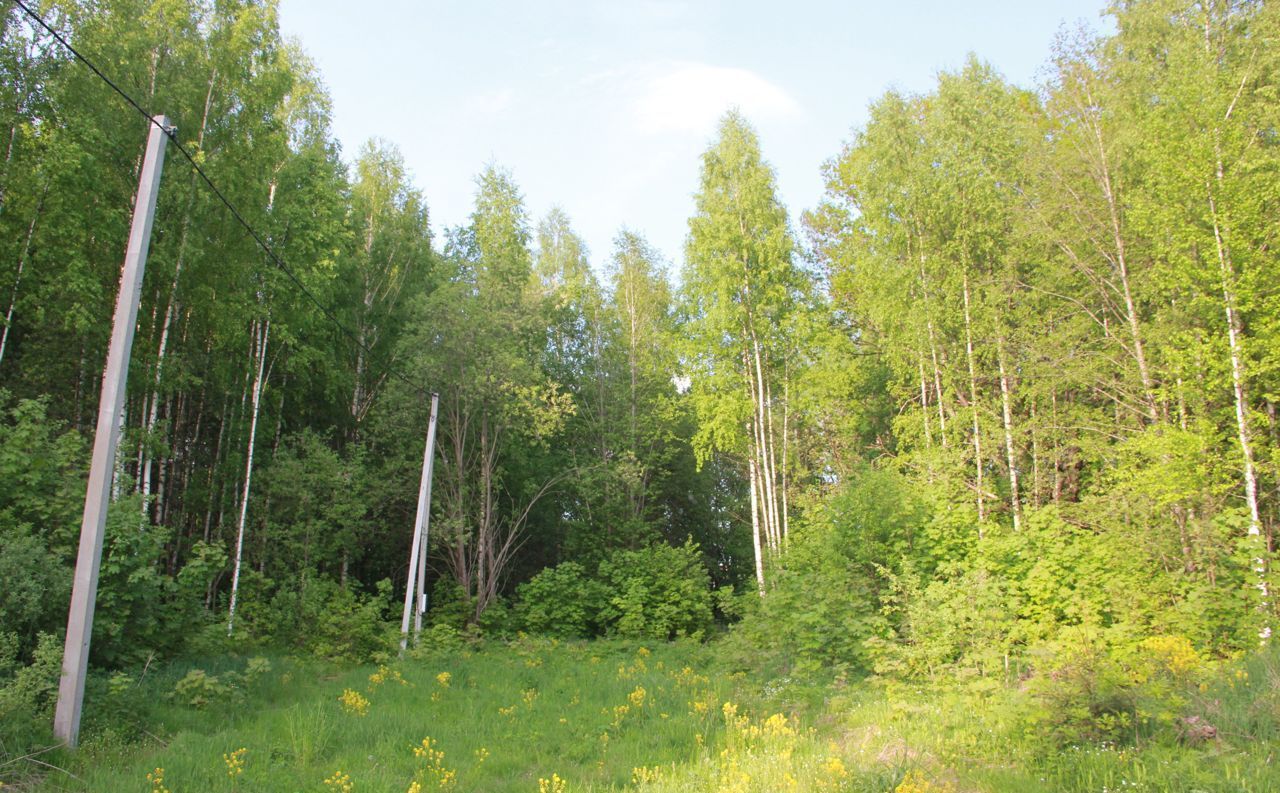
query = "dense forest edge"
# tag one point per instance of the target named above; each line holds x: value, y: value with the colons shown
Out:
x: 966, y: 479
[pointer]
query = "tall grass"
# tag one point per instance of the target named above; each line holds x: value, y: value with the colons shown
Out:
x: 535, y: 715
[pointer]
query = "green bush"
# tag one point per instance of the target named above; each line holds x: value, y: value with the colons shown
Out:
x: 561, y: 601
x: 30, y: 691
x: 659, y: 592
x: 318, y: 616
x: 824, y: 597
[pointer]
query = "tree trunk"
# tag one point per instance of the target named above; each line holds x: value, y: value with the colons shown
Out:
x: 1235, y: 345
x: 248, y: 474
x: 1015, y: 502
x: 755, y: 524
x: 17, y: 281
x: 973, y: 404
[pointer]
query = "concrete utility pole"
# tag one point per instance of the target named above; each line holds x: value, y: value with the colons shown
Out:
x: 75, y: 658
x: 416, y: 582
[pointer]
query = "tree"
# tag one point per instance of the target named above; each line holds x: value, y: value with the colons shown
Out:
x: 739, y: 285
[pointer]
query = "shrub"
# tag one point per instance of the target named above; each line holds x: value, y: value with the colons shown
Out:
x: 561, y: 601
x: 824, y: 597
x: 659, y: 592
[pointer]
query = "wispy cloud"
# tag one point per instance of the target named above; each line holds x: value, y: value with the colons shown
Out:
x: 689, y: 97
x: 490, y: 103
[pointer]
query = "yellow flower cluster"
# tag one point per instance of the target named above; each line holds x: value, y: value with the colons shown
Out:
x: 833, y: 774
x: 443, y: 679
x: 553, y: 785
x: 339, y: 782
x: 636, y: 697
x: 235, y: 762
x: 434, y: 769
x: 690, y: 679
x: 156, y: 778
x: 916, y: 782
x: 353, y: 702
x: 385, y: 674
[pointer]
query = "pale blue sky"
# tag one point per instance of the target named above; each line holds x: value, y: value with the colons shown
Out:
x: 604, y: 107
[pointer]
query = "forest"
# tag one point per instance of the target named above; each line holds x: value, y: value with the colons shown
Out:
x: 983, y: 449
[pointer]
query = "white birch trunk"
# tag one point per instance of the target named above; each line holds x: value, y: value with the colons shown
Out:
x: 1015, y: 500
x: 248, y: 475
x: 1239, y: 388
x: 17, y: 283
x: 755, y: 524
x: 973, y: 405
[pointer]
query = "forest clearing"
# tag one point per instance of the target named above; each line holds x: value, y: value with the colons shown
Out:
x: 966, y: 478
x: 544, y: 715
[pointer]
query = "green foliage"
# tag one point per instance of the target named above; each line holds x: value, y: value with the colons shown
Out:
x: 660, y: 592
x: 319, y: 616
x: 137, y: 613
x: 198, y: 688
x: 41, y: 494
x: 824, y: 602
x: 561, y: 601
x: 28, y: 692
x: 961, y: 626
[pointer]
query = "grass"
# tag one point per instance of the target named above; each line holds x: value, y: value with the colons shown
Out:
x: 494, y: 720
x: 549, y: 717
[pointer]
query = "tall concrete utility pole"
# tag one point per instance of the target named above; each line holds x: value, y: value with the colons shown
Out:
x: 425, y: 520
x: 75, y: 658
x: 416, y: 581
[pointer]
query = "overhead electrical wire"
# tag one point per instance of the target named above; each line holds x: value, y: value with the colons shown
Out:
x: 172, y: 134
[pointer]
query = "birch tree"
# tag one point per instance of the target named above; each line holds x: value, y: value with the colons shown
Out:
x: 739, y: 283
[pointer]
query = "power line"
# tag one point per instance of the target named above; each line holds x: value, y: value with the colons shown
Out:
x: 172, y: 134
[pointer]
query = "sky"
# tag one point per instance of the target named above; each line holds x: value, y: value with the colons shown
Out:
x: 604, y: 108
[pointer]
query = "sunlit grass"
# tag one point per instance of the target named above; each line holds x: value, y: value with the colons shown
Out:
x: 539, y: 715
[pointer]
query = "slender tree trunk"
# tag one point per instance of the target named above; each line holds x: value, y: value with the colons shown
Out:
x: 1035, y: 458
x: 1015, y: 501
x: 786, y: 414
x: 755, y: 523
x: 766, y: 448
x: 1235, y: 344
x: 213, y: 467
x: 248, y: 474
x: 973, y: 404
x: 17, y: 281
x: 933, y: 342
x: 924, y: 406
x: 1057, y: 449
x: 1121, y: 264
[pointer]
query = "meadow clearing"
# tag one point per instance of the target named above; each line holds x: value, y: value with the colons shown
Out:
x: 555, y: 717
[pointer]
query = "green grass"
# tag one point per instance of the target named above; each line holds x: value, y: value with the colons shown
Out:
x: 508, y: 716
x: 659, y: 718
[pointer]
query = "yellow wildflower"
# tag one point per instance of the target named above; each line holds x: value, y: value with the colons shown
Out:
x: 353, y: 702
x: 156, y: 778
x: 235, y: 762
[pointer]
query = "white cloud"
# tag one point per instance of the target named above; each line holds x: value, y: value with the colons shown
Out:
x: 488, y: 104
x: 690, y: 97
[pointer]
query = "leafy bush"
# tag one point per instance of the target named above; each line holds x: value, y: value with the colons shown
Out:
x: 561, y: 601
x: 823, y: 601
x: 963, y: 625
x: 659, y: 592
x: 319, y: 616
x: 30, y: 691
